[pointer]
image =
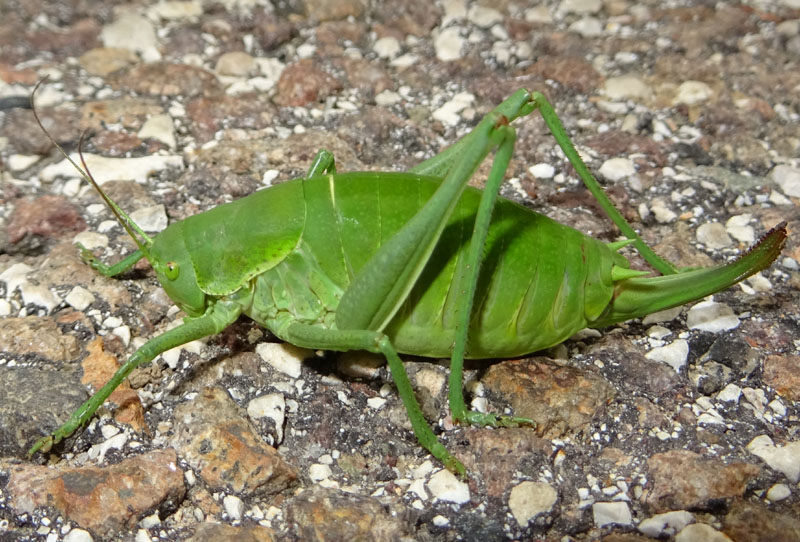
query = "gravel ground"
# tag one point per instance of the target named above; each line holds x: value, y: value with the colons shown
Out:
x: 683, y: 426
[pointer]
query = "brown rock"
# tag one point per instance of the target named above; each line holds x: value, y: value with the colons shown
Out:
x: 754, y: 522
x: 131, y: 113
x: 167, y: 79
x: 302, y: 83
x: 36, y: 335
x: 332, y: 10
x: 782, y: 372
x: 102, y: 499
x: 682, y: 479
x: 47, y: 216
x: 331, y: 515
x: 573, y: 73
x: 561, y: 400
x: 98, y: 368
x: 106, y: 60
x: 219, y: 532
x: 211, y: 114
x: 219, y: 442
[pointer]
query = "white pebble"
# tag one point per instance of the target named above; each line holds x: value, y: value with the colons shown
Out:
x: 272, y: 406
x: 692, y: 93
x: 142, y: 536
x: 673, y: 354
x: 588, y: 27
x: 778, y: 492
x: 713, y: 235
x: 785, y: 459
x: 542, y: 171
x: 738, y: 227
x: 122, y: 169
x: 79, y: 298
x: 161, y: 128
x: 615, y: 169
x: 78, y: 535
x: 234, y: 506
x: 788, y: 179
x: 730, y: 393
x: 666, y: 524
x: 318, y: 472
x: 484, y: 17
x: 446, y: 487
x: 581, y: 6
x: 611, y: 513
x: 711, y: 316
x: 529, y: 499
x: 626, y: 87
x: 449, y: 112
x: 284, y: 357
x: 15, y: 275
x: 700, y: 532
x: 387, y: 47
x: 151, y: 219
x: 448, y: 44
x: 35, y: 294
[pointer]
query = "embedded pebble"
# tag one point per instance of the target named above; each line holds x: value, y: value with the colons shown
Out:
x: 673, y: 354
x: 272, y: 406
x: 41, y: 296
x: 730, y: 393
x: 529, y: 499
x: 539, y: 14
x: 161, y: 128
x: 542, y: 171
x: 387, y: 97
x: 91, y: 240
x: 588, y: 27
x: 785, y: 459
x: 234, y: 506
x: 236, y: 64
x: 581, y: 6
x: 787, y: 178
x: 104, y: 168
x: 360, y: 364
x: 626, y: 87
x: 176, y: 10
x: 700, y: 532
x: 151, y: 219
x: 284, y: 357
x: 78, y: 535
x: 615, y: 169
x: 387, y: 47
x: 738, y: 227
x: 667, y: 315
x: 18, y: 162
x: 711, y: 316
x: 692, y: 93
x: 134, y: 32
x: 446, y: 487
x: 318, y: 472
x: 713, y: 235
x: 449, y: 112
x: 484, y: 17
x: 666, y: 524
x: 778, y: 492
x: 15, y: 275
x: 663, y: 214
x: 448, y: 44
x: 611, y: 513
x: 5, y: 308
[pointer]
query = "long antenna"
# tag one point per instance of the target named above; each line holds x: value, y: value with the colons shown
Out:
x: 126, y: 221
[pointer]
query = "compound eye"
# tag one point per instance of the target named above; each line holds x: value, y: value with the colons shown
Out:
x: 172, y: 270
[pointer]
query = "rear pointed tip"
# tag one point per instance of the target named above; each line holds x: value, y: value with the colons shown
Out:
x: 636, y: 297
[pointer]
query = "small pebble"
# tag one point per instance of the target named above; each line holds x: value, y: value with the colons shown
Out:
x: 787, y: 178
x: 78, y: 535
x: 318, y: 472
x: 692, y: 93
x: 666, y: 524
x: 284, y: 357
x: 234, y: 506
x: 529, y: 499
x: 615, y: 169
x: 448, y: 44
x: 161, y: 128
x: 387, y: 47
x: 542, y: 171
x: 588, y: 27
x: 785, y: 459
x: 778, y: 492
x: 711, y: 316
x: 700, y: 532
x: 713, y: 235
x: 449, y: 112
x: 674, y: 354
x: 611, y: 513
x: 446, y: 487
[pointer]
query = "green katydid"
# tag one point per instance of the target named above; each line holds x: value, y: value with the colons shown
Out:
x: 415, y: 263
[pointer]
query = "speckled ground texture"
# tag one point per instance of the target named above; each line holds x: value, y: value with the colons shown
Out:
x: 681, y: 427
